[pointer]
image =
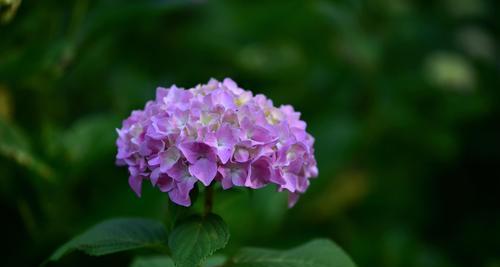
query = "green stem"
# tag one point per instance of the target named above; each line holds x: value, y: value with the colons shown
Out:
x: 209, y: 198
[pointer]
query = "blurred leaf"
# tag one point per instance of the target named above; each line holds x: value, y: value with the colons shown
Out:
x: 215, y: 261
x: 175, y: 212
x: 90, y: 138
x: 116, y: 235
x: 131, y: 87
x: 165, y: 261
x: 339, y: 194
x: 270, y: 206
x: 317, y: 253
x: 465, y: 8
x: 450, y: 71
x: 8, y: 9
x: 195, y: 239
x: 153, y: 261
x: 476, y: 43
x: 14, y: 144
x: 5, y: 103
x: 108, y: 15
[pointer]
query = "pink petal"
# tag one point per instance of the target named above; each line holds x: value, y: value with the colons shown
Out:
x: 155, y: 174
x: 178, y: 171
x: 165, y: 183
x: 135, y: 183
x: 195, y: 150
x: 169, y: 158
x: 224, y: 99
x: 225, y: 154
x: 241, y: 154
x: 205, y: 170
x: 180, y: 193
x: 259, y: 173
x: 292, y: 199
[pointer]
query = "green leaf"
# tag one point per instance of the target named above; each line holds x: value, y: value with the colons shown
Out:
x: 106, y: 16
x: 90, y: 139
x: 195, y: 239
x: 152, y: 261
x: 215, y: 261
x: 165, y: 261
x: 116, y: 235
x: 15, y: 145
x: 317, y: 253
x: 8, y: 9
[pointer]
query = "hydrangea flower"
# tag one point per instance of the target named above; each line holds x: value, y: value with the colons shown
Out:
x: 216, y: 132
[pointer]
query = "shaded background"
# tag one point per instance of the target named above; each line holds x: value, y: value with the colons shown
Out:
x: 401, y: 96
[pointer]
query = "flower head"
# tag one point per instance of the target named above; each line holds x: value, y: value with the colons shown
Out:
x: 215, y: 132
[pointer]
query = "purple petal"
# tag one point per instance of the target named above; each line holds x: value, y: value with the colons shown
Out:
x: 169, y: 158
x: 226, y: 183
x: 225, y: 136
x: 241, y: 154
x: 224, y: 99
x: 161, y: 93
x: 291, y: 181
x: 165, y: 183
x: 178, y: 98
x: 196, y: 150
x: 295, y: 166
x: 180, y: 193
x: 277, y: 177
x: 299, y: 133
x: 155, y: 161
x: 225, y: 154
x: 179, y: 197
x: 257, y: 134
x: 155, y: 174
x: 231, y: 85
x: 160, y: 126
x: 134, y: 170
x: 312, y: 171
x: 207, y: 137
x: 292, y: 199
x: 205, y: 170
x: 260, y: 134
x: 233, y: 174
x: 239, y: 176
x: 302, y: 183
x: 135, y: 183
x: 259, y: 173
x: 178, y: 171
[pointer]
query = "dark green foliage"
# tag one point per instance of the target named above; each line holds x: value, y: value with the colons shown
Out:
x: 193, y: 240
x: 402, y: 98
x: 155, y: 261
x: 317, y: 253
x: 14, y: 145
x: 116, y: 235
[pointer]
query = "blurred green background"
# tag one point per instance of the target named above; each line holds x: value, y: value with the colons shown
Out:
x: 402, y: 98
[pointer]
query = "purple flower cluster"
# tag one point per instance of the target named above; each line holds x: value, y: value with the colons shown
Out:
x: 215, y: 132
